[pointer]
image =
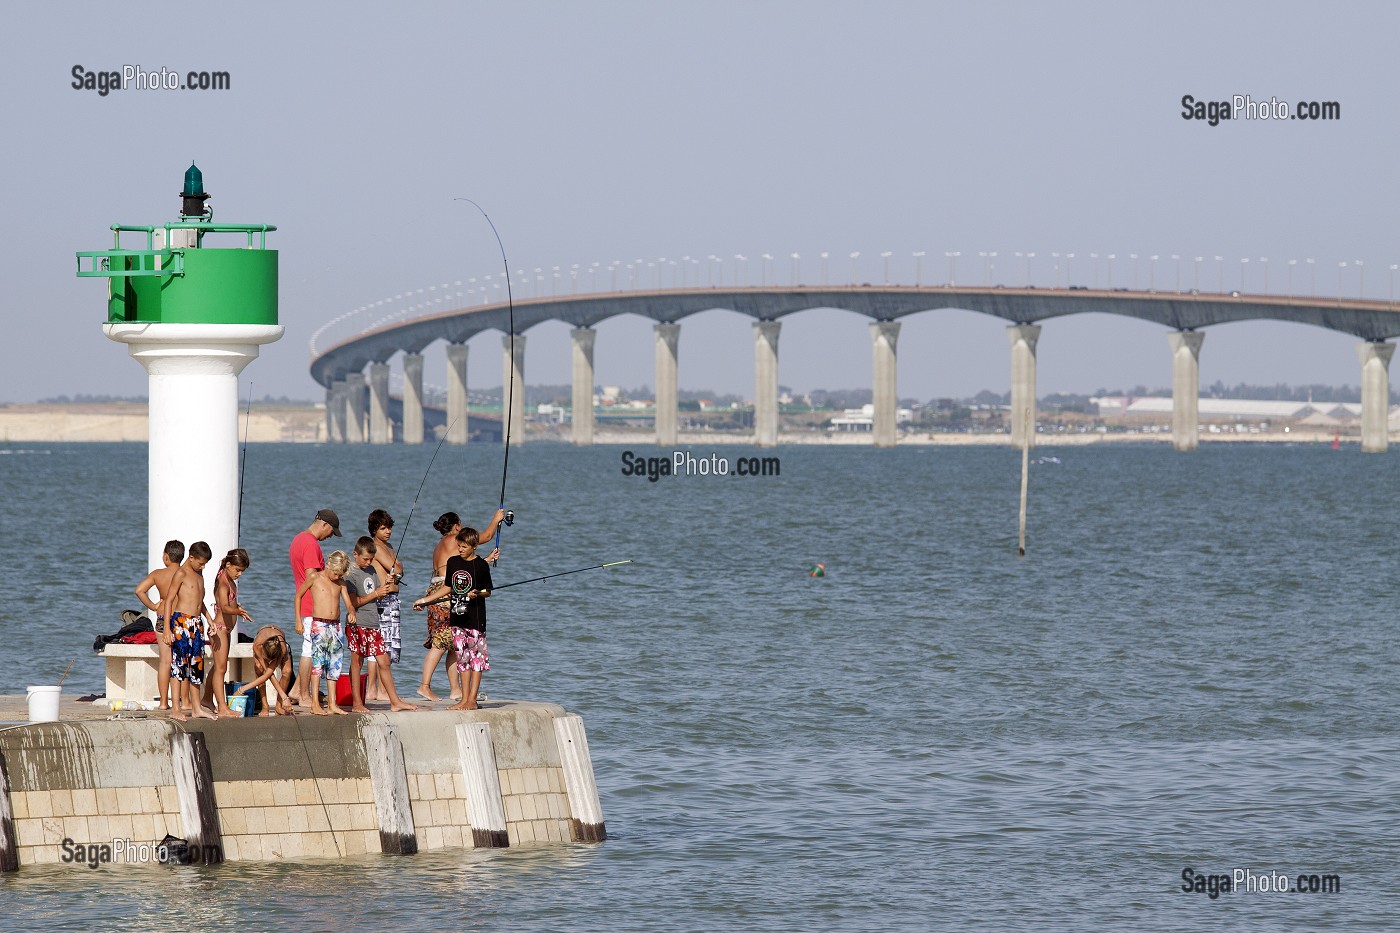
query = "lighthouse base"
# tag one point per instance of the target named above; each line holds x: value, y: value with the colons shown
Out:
x: 193, y: 477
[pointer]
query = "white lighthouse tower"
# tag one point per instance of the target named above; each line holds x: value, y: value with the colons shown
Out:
x: 193, y: 313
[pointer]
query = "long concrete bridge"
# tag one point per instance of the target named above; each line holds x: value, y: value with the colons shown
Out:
x: 341, y: 368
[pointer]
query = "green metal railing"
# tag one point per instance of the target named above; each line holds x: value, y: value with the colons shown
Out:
x: 170, y: 261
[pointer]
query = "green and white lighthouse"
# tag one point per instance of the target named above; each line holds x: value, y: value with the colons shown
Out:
x: 193, y: 306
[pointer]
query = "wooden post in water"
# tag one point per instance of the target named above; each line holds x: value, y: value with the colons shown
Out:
x: 1025, y: 476
x: 485, y: 810
x: 586, y: 812
x: 194, y: 787
x: 9, y: 842
x: 389, y: 779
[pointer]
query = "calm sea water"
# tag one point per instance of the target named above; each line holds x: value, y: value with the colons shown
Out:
x: 1195, y: 666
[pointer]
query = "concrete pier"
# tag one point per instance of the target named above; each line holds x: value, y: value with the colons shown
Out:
x: 583, y: 338
x: 667, y: 342
x: 379, y: 432
x: 413, y: 398
x: 457, y: 431
x: 332, y: 426
x: 337, y: 411
x: 1186, y: 387
x: 297, y: 787
x: 355, y: 408
x: 1375, y: 394
x: 513, y: 369
x: 1023, y: 340
x: 765, y: 390
x: 884, y: 335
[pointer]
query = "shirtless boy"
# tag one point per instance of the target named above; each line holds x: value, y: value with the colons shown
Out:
x: 327, y: 591
x: 185, y: 617
x: 161, y: 580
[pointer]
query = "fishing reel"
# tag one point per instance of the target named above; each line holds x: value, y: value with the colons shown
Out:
x: 509, y: 518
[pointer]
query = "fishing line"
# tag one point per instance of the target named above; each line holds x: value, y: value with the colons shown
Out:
x: 404, y: 534
x: 243, y: 466
x: 507, y: 377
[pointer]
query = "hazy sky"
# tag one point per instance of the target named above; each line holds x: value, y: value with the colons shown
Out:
x: 602, y: 131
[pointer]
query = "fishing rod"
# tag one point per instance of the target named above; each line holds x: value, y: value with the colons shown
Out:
x: 548, y: 576
x: 403, y: 535
x: 562, y: 574
x: 508, y: 377
x: 243, y: 465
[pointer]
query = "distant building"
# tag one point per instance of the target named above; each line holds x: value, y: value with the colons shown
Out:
x: 863, y: 418
x: 1313, y: 414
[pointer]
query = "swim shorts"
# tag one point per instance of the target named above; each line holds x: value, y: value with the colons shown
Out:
x: 306, y: 622
x: 364, y: 641
x: 389, y: 624
x: 439, y: 631
x: 327, y: 649
x: 187, y: 648
x: 471, y: 650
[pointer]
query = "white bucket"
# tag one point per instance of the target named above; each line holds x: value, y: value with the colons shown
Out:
x: 43, y: 704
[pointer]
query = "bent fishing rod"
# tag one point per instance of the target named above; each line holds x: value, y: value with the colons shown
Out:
x: 508, y: 376
x: 548, y: 576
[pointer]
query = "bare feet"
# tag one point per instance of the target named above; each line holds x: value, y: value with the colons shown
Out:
x: 319, y: 711
x: 359, y: 708
x: 340, y: 712
x: 229, y: 714
x: 201, y: 713
x: 400, y: 706
x: 427, y: 693
x: 177, y: 715
x: 455, y: 698
x: 464, y: 705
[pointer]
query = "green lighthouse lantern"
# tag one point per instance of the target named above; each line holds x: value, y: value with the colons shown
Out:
x: 181, y: 277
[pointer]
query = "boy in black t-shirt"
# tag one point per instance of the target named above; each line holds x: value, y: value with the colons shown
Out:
x: 467, y: 586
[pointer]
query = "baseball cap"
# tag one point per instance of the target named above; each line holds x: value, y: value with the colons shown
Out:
x: 330, y: 518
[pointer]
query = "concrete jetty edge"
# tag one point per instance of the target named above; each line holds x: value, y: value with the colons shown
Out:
x: 297, y: 787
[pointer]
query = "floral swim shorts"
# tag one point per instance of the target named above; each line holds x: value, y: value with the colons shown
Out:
x: 366, y: 641
x: 439, y: 631
x: 327, y: 649
x: 187, y: 648
x: 471, y: 650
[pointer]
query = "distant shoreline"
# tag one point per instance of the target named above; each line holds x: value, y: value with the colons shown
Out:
x: 116, y: 422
